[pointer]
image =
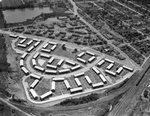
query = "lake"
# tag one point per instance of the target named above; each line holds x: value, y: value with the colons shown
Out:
x: 13, y: 16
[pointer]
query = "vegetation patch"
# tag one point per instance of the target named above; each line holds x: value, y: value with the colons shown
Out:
x: 81, y: 100
x: 4, y: 67
x: 134, y: 55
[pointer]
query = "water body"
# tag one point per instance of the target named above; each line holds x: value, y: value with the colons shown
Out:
x: 13, y: 16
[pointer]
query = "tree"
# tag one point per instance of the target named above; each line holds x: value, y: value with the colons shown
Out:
x: 76, y: 50
x: 63, y: 47
x: 146, y: 94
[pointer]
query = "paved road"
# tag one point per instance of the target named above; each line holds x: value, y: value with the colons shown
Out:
x: 95, y: 30
x: 14, y: 107
x: 128, y: 7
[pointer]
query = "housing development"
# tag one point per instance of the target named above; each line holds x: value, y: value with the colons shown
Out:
x: 86, y: 58
x: 84, y: 72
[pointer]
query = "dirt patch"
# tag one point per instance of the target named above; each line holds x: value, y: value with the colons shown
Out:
x: 15, y: 76
x: 12, y: 56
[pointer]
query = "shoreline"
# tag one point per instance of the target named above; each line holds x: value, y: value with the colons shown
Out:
x: 2, y: 20
x: 42, y: 16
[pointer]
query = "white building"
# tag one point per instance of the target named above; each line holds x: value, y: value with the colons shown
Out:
x: 51, y: 66
x: 101, y: 63
x: 70, y: 63
x: 90, y: 53
x: 78, y: 82
x: 96, y: 85
x: 13, y: 35
x: 22, y: 45
x: 49, y: 93
x: 54, y: 47
x: 21, y: 63
x: 67, y: 84
x: 33, y: 93
x: 30, y: 42
x: 35, y: 76
x: 51, y: 72
x: 33, y: 62
x: 108, y: 60
x: 52, y: 43
x: 53, y: 86
x: 25, y: 70
x: 60, y: 62
x: 46, y: 45
x: 76, y: 67
x: 37, y: 43
x: 45, y: 55
x: 46, y: 50
x: 91, y: 59
x: 51, y: 60
x: 110, y: 72
x: 110, y: 66
x: 24, y: 55
x: 36, y: 55
x: 88, y: 80
x: 62, y: 71
x: 81, y: 54
x: 79, y: 75
x: 102, y: 77
x: 120, y: 69
x: 58, y: 79
x: 128, y: 68
x: 22, y: 41
x: 96, y: 70
x: 34, y: 84
x: 22, y: 37
x: 39, y: 68
x: 30, y: 49
x: 81, y: 60
x: 75, y: 90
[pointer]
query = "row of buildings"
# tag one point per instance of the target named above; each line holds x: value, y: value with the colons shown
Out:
x: 110, y: 66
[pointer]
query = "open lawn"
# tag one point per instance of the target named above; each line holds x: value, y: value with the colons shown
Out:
x: 65, y: 53
x: 43, y: 86
x: 29, y: 80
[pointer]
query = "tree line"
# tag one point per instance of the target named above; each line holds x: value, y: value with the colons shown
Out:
x: 81, y: 100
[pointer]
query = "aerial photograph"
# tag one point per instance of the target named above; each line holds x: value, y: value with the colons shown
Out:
x: 74, y: 57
